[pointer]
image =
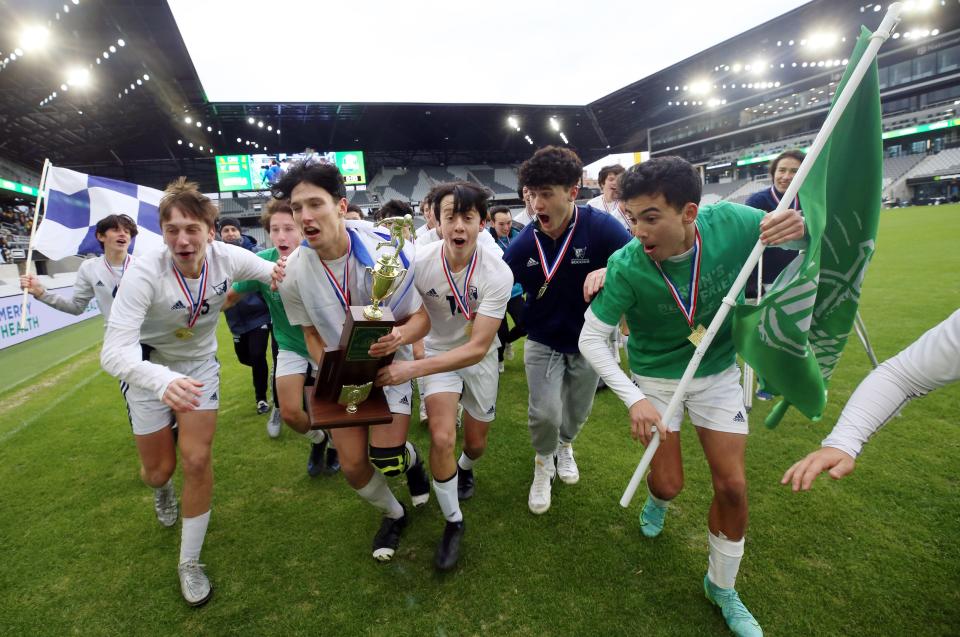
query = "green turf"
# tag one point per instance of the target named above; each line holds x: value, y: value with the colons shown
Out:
x: 23, y: 361
x: 875, y: 554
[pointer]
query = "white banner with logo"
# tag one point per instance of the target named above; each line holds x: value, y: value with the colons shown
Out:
x: 41, y: 319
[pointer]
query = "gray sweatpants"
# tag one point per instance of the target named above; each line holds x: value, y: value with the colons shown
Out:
x: 561, y: 387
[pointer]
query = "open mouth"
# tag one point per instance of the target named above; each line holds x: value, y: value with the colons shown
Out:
x: 648, y: 249
x: 459, y: 242
x: 310, y: 231
x: 544, y: 219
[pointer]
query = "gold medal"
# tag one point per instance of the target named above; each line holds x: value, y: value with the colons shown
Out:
x: 184, y: 333
x: 468, y: 329
x: 697, y: 335
x: 543, y: 290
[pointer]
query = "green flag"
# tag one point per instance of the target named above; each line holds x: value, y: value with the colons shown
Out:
x: 794, y: 338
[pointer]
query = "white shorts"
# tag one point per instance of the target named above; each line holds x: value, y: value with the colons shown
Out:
x: 149, y: 414
x: 290, y: 363
x: 399, y: 397
x: 477, y: 386
x: 713, y: 402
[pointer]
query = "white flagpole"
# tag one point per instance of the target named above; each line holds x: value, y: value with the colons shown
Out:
x: 878, y: 37
x: 861, y: 330
x: 41, y: 197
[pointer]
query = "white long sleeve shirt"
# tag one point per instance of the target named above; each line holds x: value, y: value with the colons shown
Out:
x: 95, y: 279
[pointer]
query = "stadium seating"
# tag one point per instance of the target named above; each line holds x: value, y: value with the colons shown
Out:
x: 943, y: 163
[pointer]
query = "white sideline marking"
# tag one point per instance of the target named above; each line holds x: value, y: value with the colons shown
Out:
x: 26, y: 423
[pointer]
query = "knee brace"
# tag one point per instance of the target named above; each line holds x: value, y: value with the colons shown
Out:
x: 390, y: 461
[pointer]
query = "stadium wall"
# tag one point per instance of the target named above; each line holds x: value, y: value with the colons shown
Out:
x: 41, y: 318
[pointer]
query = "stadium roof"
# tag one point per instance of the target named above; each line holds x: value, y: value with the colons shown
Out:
x: 143, y: 93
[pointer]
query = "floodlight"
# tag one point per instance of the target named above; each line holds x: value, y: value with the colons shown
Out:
x: 250, y: 120
x: 699, y: 87
x: 146, y: 78
x: 121, y: 42
x: 270, y: 128
x: 239, y: 140
x: 554, y: 124
x: 139, y: 82
x: 736, y: 68
x: 179, y: 142
x: 199, y: 124
x: 513, y: 123
x: 758, y: 66
x: 191, y: 144
x: 188, y: 119
x: 112, y: 49
x: 209, y: 129
x: 106, y: 56
x: 260, y: 124
x: 564, y: 138
x: 63, y: 87
x: 33, y: 37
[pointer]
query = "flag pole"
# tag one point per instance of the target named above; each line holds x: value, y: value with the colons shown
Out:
x: 877, y: 38
x: 861, y: 330
x: 41, y: 197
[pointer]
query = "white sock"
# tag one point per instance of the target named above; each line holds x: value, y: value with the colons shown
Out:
x: 663, y: 504
x: 465, y: 462
x: 447, y: 498
x: 548, y: 463
x: 725, y: 556
x: 191, y: 537
x: 316, y: 436
x: 413, y: 454
x: 377, y: 493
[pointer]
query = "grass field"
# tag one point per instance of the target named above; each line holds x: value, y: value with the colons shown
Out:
x: 875, y: 554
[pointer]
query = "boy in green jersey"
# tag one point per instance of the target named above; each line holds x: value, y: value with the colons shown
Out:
x: 669, y: 284
x: 291, y: 367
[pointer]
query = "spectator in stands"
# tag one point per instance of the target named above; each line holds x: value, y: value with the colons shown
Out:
x: 782, y: 171
x: 503, y: 233
x: 249, y: 322
x: 608, y: 199
x: 353, y: 212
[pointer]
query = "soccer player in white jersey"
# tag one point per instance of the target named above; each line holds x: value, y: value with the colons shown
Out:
x: 608, y: 199
x: 929, y: 363
x: 161, y: 341
x: 96, y: 278
x: 325, y: 275
x: 465, y: 288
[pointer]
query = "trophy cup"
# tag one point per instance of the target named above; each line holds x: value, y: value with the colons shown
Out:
x: 344, y: 394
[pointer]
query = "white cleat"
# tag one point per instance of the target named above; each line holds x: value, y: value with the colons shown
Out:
x: 274, y: 423
x: 194, y: 584
x: 165, y: 504
x: 567, y: 469
x: 539, y: 500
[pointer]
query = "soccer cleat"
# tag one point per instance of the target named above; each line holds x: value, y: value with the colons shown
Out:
x: 465, y: 484
x: 274, y: 423
x: 387, y: 539
x: 165, y: 504
x: 567, y: 469
x: 448, y: 551
x: 763, y: 395
x: 651, y: 518
x: 262, y: 407
x: 508, y: 352
x: 539, y: 499
x: 740, y: 621
x: 316, y: 463
x: 418, y: 483
x: 194, y: 585
x: 500, y: 367
x: 331, y: 461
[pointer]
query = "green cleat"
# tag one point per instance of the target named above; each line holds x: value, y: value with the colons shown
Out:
x: 738, y: 618
x: 651, y: 518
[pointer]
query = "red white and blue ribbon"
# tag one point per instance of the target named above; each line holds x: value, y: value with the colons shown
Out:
x: 463, y: 303
x: 123, y: 268
x: 195, y: 304
x: 688, y: 307
x: 549, y: 272
x: 342, y: 291
x: 776, y: 198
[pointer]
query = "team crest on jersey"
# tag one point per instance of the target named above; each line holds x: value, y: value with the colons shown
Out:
x: 433, y: 293
x: 178, y: 306
x: 532, y: 262
x: 99, y: 284
x: 579, y: 256
x: 220, y: 288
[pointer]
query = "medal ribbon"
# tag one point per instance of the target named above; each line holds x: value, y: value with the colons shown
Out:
x: 342, y: 292
x: 196, y: 305
x: 689, y: 309
x: 123, y: 268
x: 616, y: 206
x: 460, y: 299
x: 776, y: 198
x: 548, y: 273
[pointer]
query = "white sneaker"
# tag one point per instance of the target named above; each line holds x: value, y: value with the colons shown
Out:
x: 500, y: 367
x: 543, y: 474
x: 274, y: 423
x: 262, y: 407
x: 508, y: 352
x: 194, y: 585
x: 566, y: 465
x: 165, y: 504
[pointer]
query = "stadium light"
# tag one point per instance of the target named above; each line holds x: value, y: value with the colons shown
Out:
x: 554, y: 124
x: 121, y: 42
x: 146, y: 78
x: 821, y: 41
x: 250, y: 120
x: 514, y: 123
x: 699, y: 87
x: 188, y: 119
x: 736, y: 68
x: 78, y: 77
x: 759, y: 66
x: 33, y: 37
x: 260, y: 124
x: 239, y: 140
x: 179, y: 142
x: 529, y: 141
x: 564, y: 138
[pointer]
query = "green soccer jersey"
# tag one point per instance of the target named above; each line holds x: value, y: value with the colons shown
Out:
x: 289, y: 337
x: 658, y: 345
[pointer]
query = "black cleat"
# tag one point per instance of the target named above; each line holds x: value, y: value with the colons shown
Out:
x: 316, y: 463
x: 418, y: 483
x: 387, y: 539
x: 448, y: 551
x: 465, y: 484
x: 331, y: 461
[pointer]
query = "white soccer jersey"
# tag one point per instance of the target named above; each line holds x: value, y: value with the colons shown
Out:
x: 488, y: 294
x: 310, y: 298
x: 433, y: 236
x: 524, y: 217
x: 95, y: 278
x: 150, y: 307
x: 930, y: 362
x: 612, y: 209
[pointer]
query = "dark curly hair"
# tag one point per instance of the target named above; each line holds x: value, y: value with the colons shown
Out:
x: 394, y: 208
x: 318, y: 173
x: 673, y: 177
x: 551, y: 166
x: 466, y: 196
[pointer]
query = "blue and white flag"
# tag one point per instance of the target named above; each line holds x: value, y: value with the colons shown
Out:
x: 75, y: 202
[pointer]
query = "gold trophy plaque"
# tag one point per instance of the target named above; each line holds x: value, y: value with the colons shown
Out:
x: 344, y: 394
